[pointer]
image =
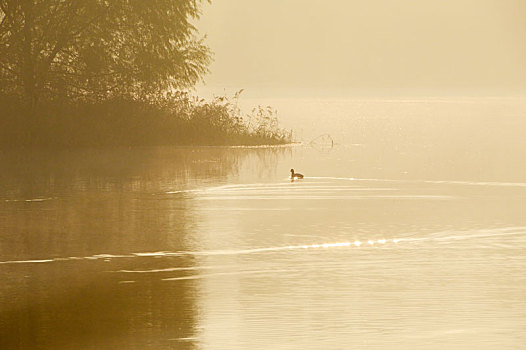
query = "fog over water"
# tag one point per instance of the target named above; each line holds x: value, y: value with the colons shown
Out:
x: 408, y: 230
x: 379, y: 46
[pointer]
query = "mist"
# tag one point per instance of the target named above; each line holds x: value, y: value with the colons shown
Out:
x: 378, y: 46
x: 271, y: 174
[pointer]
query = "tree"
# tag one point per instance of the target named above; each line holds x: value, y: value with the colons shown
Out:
x: 96, y: 49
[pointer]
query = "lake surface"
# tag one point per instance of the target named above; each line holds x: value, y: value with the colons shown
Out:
x: 408, y: 232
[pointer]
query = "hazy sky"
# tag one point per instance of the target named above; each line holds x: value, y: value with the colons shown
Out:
x: 367, y: 44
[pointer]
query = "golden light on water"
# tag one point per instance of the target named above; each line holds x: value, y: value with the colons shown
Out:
x: 406, y: 118
x: 109, y: 257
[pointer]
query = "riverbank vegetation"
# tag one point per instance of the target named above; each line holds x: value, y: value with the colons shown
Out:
x: 98, y: 73
x: 178, y: 120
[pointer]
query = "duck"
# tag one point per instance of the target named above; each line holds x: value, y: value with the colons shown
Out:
x: 294, y: 175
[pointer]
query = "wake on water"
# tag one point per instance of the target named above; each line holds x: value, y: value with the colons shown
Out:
x: 326, y: 184
x: 392, y: 243
x: 313, y: 184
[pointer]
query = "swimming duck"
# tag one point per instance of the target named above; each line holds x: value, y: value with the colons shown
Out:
x: 294, y: 175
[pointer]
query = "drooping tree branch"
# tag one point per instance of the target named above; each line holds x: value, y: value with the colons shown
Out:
x: 119, y: 46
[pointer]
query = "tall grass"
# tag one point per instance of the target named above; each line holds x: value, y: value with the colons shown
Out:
x: 176, y: 119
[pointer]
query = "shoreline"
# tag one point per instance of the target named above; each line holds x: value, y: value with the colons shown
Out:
x: 124, y: 122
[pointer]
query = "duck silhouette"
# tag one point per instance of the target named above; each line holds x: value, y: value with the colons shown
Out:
x: 295, y: 176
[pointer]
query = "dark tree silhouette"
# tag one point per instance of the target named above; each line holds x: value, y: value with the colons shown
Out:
x: 98, y: 49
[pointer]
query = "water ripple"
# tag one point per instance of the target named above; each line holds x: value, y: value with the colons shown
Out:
x: 449, y: 237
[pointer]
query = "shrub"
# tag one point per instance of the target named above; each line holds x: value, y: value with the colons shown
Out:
x: 176, y: 119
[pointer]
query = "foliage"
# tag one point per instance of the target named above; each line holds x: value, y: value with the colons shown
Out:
x: 94, y: 50
x: 177, y: 119
x: 106, y: 72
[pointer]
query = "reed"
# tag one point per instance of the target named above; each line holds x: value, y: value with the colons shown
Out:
x: 174, y: 119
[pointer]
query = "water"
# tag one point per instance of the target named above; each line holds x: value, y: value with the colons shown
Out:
x: 408, y: 233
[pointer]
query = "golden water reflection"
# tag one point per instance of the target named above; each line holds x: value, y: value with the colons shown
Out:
x: 402, y: 242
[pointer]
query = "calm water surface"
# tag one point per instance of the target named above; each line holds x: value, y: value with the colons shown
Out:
x: 408, y: 233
